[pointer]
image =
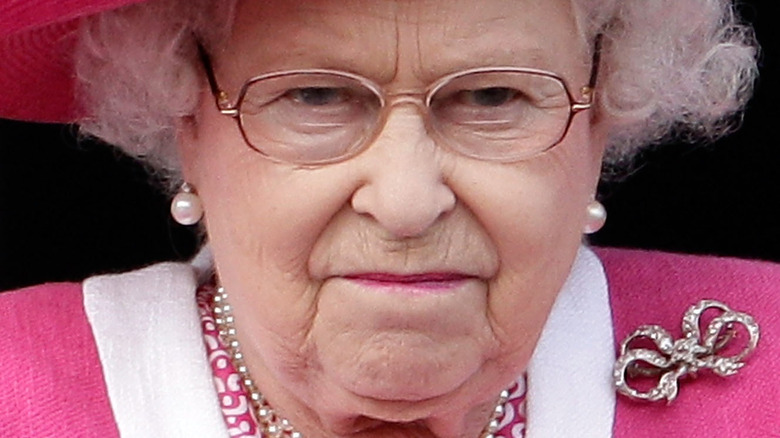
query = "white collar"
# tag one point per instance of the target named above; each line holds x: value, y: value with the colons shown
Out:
x: 149, y: 340
x: 570, y: 392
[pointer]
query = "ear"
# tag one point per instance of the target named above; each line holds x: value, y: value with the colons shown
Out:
x: 599, y: 135
x: 186, y: 146
x: 599, y: 125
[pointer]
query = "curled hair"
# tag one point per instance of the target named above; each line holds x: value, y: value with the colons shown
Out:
x: 669, y: 68
x: 137, y: 74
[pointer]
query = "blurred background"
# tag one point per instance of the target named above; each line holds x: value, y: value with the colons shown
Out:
x: 72, y: 208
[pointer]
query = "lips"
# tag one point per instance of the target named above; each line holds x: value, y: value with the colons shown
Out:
x: 426, y: 281
x: 433, y: 277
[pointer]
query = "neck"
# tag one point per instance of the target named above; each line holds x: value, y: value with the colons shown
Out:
x: 330, y: 417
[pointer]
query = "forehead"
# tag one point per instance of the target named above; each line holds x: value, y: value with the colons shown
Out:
x: 385, y: 39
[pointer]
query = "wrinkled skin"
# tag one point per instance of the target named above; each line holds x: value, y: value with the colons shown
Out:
x: 341, y: 357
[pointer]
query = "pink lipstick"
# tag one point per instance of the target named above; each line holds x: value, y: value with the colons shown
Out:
x: 428, y: 282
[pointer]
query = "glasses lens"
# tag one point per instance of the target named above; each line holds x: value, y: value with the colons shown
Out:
x: 501, y: 115
x: 308, y: 117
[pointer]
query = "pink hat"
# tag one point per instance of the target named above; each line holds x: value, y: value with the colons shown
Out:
x: 36, y: 68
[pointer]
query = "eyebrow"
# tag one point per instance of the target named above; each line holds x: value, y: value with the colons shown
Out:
x: 449, y: 62
x: 529, y: 57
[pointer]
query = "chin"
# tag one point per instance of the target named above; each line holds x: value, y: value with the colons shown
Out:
x: 407, y: 374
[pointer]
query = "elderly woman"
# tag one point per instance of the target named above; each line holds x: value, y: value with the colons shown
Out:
x: 395, y: 194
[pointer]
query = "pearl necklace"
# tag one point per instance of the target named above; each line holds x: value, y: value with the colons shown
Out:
x: 271, y: 424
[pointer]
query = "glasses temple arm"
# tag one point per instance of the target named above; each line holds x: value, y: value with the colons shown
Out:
x: 587, y: 91
x: 594, y: 68
x: 220, y: 97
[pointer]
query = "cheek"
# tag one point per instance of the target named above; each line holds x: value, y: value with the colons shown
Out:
x: 261, y: 212
x: 532, y: 210
x: 262, y: 219
x: 534, y: 213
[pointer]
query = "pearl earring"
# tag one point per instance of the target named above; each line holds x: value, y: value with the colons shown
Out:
x: 596, y: 217
x: 186, y: 207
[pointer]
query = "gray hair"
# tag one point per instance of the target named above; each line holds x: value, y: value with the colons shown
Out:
x: 669, y: 68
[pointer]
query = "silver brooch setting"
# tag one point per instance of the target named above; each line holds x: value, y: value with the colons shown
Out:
x: 672, y: 359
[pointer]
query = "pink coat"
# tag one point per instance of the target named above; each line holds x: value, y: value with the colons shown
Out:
x: 53, y: 385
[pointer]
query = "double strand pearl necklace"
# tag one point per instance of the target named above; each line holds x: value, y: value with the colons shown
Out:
x: 271, y: 424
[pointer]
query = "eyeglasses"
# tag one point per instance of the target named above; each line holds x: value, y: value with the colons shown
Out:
x: 316, y: 116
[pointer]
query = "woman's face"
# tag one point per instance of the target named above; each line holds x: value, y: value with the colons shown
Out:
x: 407, y: 285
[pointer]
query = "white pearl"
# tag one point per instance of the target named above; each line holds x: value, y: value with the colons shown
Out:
x: 186, y: 208
x: 596, y: 217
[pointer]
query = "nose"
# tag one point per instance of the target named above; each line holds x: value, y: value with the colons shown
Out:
x: 404, y: 187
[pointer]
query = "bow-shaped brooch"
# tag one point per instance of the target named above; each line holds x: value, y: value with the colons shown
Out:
x: 674, y: 359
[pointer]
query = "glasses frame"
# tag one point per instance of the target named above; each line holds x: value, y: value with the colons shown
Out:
x: 388, y: 101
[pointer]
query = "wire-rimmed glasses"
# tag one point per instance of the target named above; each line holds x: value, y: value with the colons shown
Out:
x: 316, y: 116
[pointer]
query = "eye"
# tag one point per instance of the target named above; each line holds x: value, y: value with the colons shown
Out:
x: 318, y: 96
x: 488, y: 97
x: 485, y: 106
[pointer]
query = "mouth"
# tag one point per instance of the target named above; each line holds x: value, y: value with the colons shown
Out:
x: 411, y: 283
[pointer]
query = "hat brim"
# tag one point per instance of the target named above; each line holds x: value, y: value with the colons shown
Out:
x: 37, y: 38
